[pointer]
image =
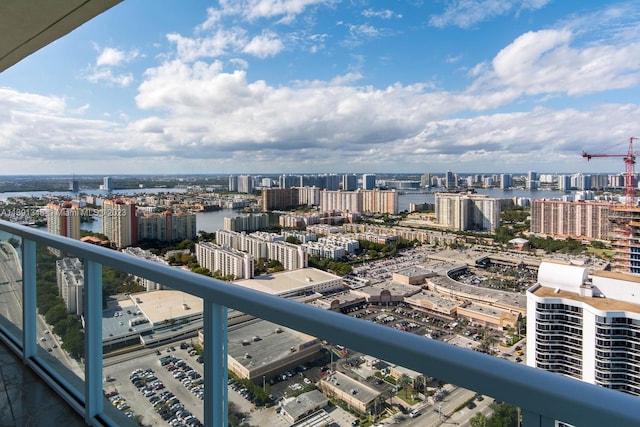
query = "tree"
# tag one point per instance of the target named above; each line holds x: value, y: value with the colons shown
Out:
x: 404, y: 383
x: 73, y: 343
x: 478, y: 420
x: 292, y: 239
x: 504, y: 415
x: 202, y: 270
x: 56, y: 314
x: 14, y: 242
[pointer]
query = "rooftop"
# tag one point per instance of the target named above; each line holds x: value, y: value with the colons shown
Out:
x: 287, y: 281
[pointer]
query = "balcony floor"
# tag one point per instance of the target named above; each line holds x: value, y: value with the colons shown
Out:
x: 26, y: 400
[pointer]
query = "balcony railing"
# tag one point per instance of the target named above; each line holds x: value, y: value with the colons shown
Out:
x: 543, y: 397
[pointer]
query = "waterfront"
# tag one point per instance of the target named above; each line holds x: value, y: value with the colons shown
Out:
x: 93, y: 192
x: 418, y: 197
x: 206, y: 221
x: 214, y: 220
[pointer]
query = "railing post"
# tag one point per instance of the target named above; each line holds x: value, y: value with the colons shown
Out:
x: 93, y: 340
x: 215, y: 364
x: 29, y: 300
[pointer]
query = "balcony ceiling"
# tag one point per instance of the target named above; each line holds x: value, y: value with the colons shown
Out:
x: 28, y: 25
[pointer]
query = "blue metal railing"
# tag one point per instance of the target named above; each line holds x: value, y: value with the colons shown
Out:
x: 543, y: 397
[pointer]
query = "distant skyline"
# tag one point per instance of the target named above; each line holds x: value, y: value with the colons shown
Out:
x: 276, y: 86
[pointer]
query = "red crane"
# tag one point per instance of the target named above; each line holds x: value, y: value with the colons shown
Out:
x: 629, y: 169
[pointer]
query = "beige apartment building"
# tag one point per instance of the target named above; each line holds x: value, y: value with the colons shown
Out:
x: 581, y: 220
x: 360, y: 201
x: 465, y: 211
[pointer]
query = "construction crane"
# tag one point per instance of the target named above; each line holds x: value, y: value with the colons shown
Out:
x: 629, y: 170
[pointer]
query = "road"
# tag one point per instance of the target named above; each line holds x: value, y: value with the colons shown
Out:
x: 10, y: 285
x: 11, y: 307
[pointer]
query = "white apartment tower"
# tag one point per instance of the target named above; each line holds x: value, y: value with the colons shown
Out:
x: 227, y: 261
x: 70, y: 280
x: 245, y: 184
x: 585, y: 326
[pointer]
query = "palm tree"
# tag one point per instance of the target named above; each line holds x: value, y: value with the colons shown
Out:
x: 404, y: 383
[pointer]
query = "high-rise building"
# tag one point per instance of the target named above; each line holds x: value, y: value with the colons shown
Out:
x: 462, y: 211
x: 585, y: 326
x: 564, y: 182
x: 233, y: 183
x: 225, y: 260
x: 368, y: 181
x: 309, y: 196
x: 245, y: 184
x: 251, y: 222
x: 279, y: 198
x: 626, y: 239
x: 331, y: 182
x: 380, y: 201
x: 107, y: 183
x: 360, y: 201
x: 425, y: 180
x: 148, y: 284
x: 288, y: 181
x: 506, y: 181
x: 349, y: 182
x: 581, y: 182
x: 167, y: 226
x: 266, y: 245
x: 63, y: 219
x: 74, y: 186
x: 70, y: 280
x: 119, y: 222
x: 562, y: 219
x: 532, y: 180
x: 449, y: 181
x: 312, y: 181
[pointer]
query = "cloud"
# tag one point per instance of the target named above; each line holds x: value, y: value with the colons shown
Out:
x: 265, y: 45
x: 220, y: 43
x: 359, y: 33
x: 251, y: 10
x: 108, y: 59
x: 111, y: 57
x: 200, y: 104
x: 383, y: 14
x: 105, y: 75
x: 466, y: 13
x: 547, y: 62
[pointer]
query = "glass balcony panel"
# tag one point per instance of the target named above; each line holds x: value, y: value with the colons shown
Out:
x: 60, y: 307
x: 11, y: 285
x: 151, y: 356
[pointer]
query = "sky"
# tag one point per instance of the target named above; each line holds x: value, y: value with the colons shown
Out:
x: 313, y: 86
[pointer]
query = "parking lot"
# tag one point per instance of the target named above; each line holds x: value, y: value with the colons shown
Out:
x: 160, y: 393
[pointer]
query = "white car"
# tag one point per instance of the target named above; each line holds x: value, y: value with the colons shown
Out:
x: 414, y: 413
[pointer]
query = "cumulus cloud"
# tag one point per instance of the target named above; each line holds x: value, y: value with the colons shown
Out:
x: 201, y: 104
x: 109, y: 59
x: 214, y: 45
x: 265, y: 45
x: 545, y: 62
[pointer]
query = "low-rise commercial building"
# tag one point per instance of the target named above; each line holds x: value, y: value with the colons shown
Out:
x: 259, y: 349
